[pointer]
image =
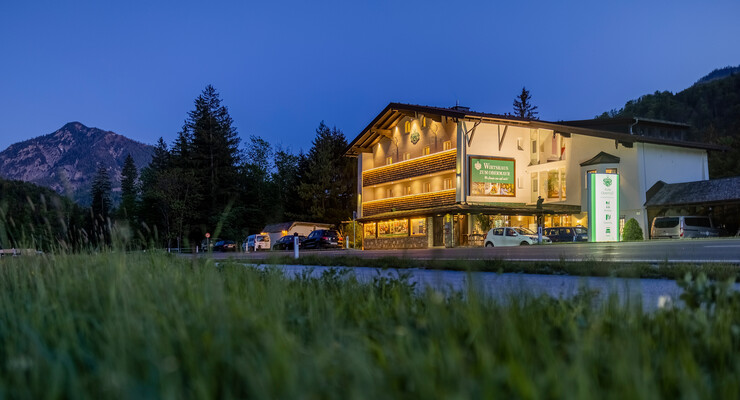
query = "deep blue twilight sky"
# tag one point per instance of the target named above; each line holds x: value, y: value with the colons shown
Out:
x: 135, y: 67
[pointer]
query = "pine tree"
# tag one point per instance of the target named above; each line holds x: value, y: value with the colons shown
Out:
x: 213, y: 155
x: 101, y: 194
x: 523, y: 107
x: 129, y: 190
x: 328, y: 185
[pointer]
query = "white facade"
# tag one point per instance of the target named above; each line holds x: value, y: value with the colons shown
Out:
x: 546, y: 160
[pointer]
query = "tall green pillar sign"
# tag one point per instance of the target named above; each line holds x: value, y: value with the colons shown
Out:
x: 603, y: 207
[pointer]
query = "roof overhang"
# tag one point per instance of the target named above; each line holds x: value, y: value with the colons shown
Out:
x: 383, y: 124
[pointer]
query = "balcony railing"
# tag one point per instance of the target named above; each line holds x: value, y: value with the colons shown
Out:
x: 438, y: 162
x: 409, y: 202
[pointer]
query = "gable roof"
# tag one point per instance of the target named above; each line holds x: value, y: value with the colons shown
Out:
x: 383, y: 124
x: 601, y: 158
x: 698, y: 192
x: 286, y: 226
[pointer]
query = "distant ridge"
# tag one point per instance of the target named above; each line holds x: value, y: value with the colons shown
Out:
x: 719, y: 73
x: 67, y: 159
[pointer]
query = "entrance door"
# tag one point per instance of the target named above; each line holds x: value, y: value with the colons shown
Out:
x: 438, y: 231
x: 461, y: 230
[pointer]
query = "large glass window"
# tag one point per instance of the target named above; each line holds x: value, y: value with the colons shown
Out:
x: 370, y: 229
x: 562, y: 183
x: 418, y: 226
x: 553, y: 184
x: 393, y: 228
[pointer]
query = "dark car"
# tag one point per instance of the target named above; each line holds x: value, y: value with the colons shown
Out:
x: 322, y: 239
x: 286, y: 242
x: 567, y: 234
x: 224, y: 245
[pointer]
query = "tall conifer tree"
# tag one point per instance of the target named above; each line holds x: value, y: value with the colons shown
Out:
x: 129, y: 189
x: 213, y: 155
x: 523, y: 107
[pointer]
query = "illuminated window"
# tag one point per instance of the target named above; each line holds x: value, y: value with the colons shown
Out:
x: 426, y: 150
x: 408, y: 190
x: 393, y: 228
x: 418, y: 226
x: 448, y: 183
x: 446, y: 145
x: 406, y: 156
x: 407, y: 127
x: 369, y: 229
x: 562, y: 183
x: 388, y: 160
x: 427, y: 187
x: 611, y: 170
x: 423, y: 122
x: 553, y: 185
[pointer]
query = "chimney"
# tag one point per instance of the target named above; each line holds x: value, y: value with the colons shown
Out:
x: 458, y: 107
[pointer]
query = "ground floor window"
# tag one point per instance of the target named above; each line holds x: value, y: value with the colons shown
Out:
x: 393, y: 228
x: 418, y: 226
x: 369, y: 229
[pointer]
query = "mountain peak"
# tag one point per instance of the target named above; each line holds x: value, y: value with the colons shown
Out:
x: 67, y: 159
x: 74, y: 126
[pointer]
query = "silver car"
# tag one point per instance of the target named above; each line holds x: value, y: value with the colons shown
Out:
x: 498, y: 237
x: 681, y: 227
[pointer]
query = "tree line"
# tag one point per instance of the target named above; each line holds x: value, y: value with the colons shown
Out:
x: 208, y: 181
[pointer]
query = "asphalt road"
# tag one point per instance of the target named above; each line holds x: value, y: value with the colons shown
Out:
x: 724, y: 250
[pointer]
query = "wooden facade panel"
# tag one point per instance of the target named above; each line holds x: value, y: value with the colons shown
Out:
x: 412, y: 202
x: 431, y: 164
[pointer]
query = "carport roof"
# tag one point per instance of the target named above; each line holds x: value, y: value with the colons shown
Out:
x: 712, y: 191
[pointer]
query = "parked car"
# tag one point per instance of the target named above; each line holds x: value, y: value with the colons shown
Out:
x: 567, y: 234
x: 322, y: 239
x: 286, y: 242
x: 682, y: 227
x: 256, y: 242
x: 498, y: 237
x: 224, y: 245
x: 207, y: 244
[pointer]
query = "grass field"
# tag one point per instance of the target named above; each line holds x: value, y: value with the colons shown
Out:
x: 116, y: 325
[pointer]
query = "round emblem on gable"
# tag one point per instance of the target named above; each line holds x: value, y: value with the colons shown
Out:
x: 415, y: 136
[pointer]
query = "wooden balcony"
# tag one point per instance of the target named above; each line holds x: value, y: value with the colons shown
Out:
x: 410, y: 202
x: 433, y: 163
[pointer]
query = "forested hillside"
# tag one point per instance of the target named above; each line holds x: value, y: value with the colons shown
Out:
x: 711, y: 106
x: 32, y: 216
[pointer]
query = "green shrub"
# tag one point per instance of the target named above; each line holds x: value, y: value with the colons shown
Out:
x: 632, y: 231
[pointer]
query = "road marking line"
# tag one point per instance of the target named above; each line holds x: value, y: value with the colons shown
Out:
x: 725, y: 245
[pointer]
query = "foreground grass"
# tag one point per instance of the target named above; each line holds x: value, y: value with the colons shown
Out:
x: 716, y: 271
x: 152, y: 326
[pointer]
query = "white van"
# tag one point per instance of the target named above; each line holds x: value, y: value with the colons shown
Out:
x: 258, y: 242
x: 681, y: 227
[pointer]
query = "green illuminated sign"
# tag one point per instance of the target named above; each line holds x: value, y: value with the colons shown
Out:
x: 492, y: 176
x: 603, y: 210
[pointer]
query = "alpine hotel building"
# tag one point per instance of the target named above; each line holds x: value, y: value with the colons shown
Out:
x: 430, y: 176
